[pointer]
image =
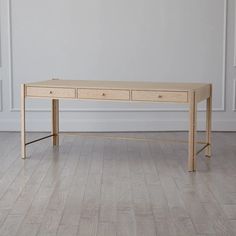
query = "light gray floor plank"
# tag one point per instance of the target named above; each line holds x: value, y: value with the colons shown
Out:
x: 88, y: 226
x: 28, y: 230
x: 107, y: 212
x: 144, y: 218
x: 106, y: 229
x: 56, y: 204
x: 126, y: 224
x: 67, y: 230
x: 96, y: 186
x: 11, y: 225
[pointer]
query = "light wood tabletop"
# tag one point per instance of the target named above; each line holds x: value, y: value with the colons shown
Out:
x: 132, y: 91
x: 117, y: 84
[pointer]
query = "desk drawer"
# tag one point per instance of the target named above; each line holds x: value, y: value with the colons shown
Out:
x: 159, y: 96
x: 103, y: 94
x: 50, y: 92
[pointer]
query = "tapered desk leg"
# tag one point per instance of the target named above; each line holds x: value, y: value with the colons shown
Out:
x: 208, y: 123
x: 23, y: 136
x: 192, y: 133
x: 55, y: 121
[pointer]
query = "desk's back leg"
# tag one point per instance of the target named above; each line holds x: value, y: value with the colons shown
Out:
x: 22, y: 109
x: 55, y: 121
x: 208, y: 122
x: 192, y: 132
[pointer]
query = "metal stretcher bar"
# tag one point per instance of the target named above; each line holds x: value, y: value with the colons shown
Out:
x: 39, y: 139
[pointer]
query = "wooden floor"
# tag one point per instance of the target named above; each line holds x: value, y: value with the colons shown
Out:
x: 106, y: 187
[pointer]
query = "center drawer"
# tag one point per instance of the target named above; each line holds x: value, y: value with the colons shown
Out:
x: 160, y: 96
x: 50, y: 92
x: 103, y: 94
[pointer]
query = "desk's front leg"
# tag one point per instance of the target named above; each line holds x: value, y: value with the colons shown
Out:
x: 22, y: 109
x: 192, y: 132
x: 55, y: 122
x: 208, y: 123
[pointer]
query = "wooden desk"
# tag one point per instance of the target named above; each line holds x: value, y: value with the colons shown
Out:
x: 189, y: 93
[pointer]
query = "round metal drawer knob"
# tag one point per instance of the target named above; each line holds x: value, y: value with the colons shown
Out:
x: 50, y: 92
x: 103, y: 94
x: 159, y: 96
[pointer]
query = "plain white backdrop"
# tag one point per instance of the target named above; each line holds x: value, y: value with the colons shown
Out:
x: 145, y: 40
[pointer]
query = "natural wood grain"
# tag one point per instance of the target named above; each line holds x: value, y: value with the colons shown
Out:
x: 203, y: 93
x: 50, y: 92
x: 55, y: 122
x: 189, y: 93
x: 103, y: 94
x: 208, y: 122
x: 159, y: 96
x: 117, y: 84
x: 192, y: 132
x: 22, y: 109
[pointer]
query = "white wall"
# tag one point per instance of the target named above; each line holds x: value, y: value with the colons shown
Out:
x: 152, y: 40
